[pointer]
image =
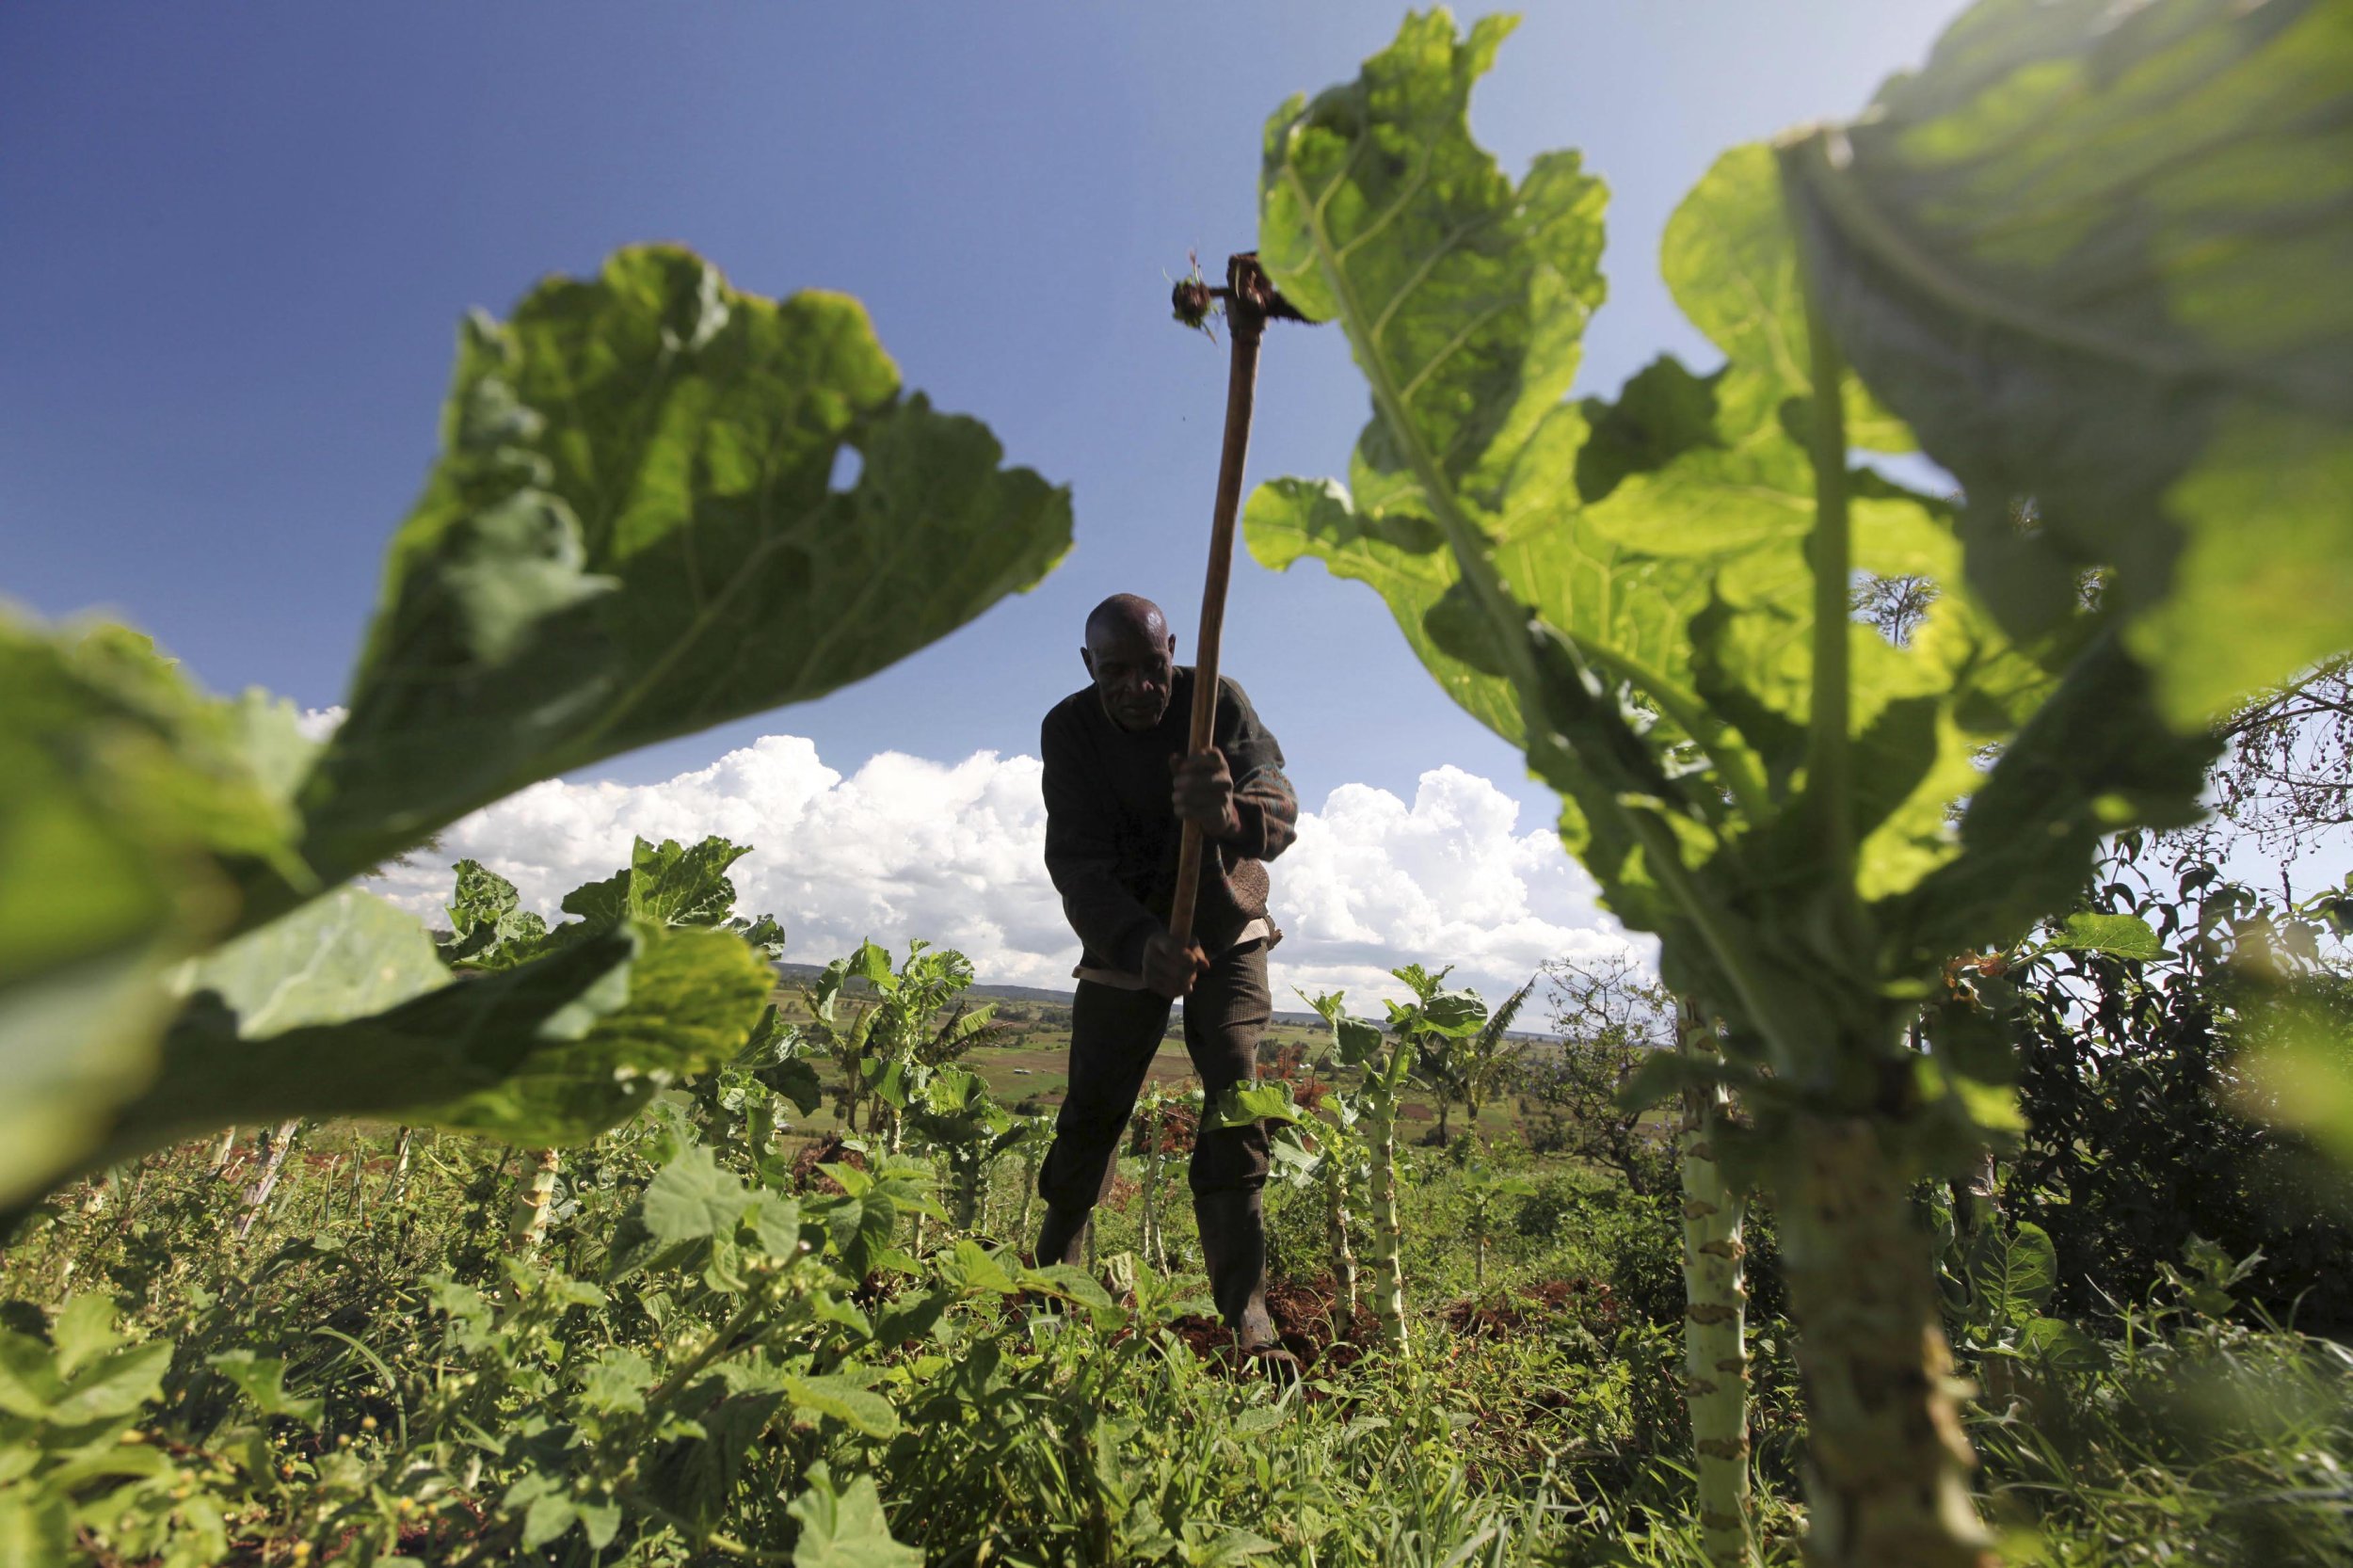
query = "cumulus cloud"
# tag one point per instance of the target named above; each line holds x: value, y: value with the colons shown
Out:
x: 951, y: 852
x: 316, y: 724
x: 1374, y: 883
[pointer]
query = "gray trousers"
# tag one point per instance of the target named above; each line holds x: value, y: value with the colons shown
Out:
x: 1113, y: 1036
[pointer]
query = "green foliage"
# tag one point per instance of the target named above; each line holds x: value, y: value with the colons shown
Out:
x: 1654, y: 597
x: 120, y: 787
x: 2166, y: 297
x: 1640, y: 575
x: 484, y: 921
x: 881, y: 1032
x: 845, y: 1529
x: 2137, y: 1074
x: 630, y: 534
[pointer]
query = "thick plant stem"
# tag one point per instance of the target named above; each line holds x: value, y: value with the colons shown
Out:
x: 1887, y: 1466
x: 1715, y: 1296
x: 1343, y: 1255
x: 1389, y: 1267
x: 527, y: 1222
x: 226, y: 1151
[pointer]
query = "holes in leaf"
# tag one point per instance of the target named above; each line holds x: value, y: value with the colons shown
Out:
x: 848, y: 463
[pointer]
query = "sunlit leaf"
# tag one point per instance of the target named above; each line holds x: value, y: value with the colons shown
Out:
x: 632, y: 535
x: 845, y: 1527
x: 2096, y: 258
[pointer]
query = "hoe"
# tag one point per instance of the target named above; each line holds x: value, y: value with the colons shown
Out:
x: 1250, y: 302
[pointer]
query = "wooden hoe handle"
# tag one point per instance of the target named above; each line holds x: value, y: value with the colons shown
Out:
x: 1249, y: 299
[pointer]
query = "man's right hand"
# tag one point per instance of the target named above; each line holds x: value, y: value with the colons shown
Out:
x: 1170, y: 967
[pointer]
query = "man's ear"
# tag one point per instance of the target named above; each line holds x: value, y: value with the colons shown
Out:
x: 1087, y: 657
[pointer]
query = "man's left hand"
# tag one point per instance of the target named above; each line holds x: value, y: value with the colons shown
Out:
x: 1203, y: 793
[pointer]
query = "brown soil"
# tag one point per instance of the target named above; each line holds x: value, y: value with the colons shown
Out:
x: 1589, y: 1302
x: 829, y: 1150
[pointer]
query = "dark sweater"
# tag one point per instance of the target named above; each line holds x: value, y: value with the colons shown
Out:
x: 1111, y: 833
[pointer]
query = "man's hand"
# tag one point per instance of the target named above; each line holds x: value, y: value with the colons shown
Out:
x: 1203, y: 793
x: 1170, y: 967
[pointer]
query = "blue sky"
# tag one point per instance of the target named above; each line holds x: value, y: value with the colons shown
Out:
x: 235, y: 241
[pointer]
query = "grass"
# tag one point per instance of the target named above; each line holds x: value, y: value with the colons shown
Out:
x: 1536, y: 1422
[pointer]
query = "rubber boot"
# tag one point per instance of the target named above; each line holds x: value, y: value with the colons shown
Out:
x: 1063, y: 1235
x: 1233, y: 1246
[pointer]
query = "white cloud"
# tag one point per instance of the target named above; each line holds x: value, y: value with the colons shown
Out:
x: 951, y: 852
x: 316, y: 724
x: 1374, y: 883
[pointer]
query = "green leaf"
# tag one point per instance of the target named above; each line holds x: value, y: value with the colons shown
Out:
x: 123, y: 790
x: 616, y: 1383
x: 1244, y: 1103
x: 692, y: 996
x: 343, y: 956
x: 84, y: 1329
x: 29, y: 1379
x: 263, y: 1379
x: 691, y: 1197
x: 2118, y: 936
x: 598, y: 1520
x: 1466, y: 296
x: 631, y: 535
x: 113, y: 1386
x: 486, y: 926
x: 797, y: 1080
x: 844, y: 1528
x: 677, y: 885
x: 548, y: 1516
x: 1359, y: 1042
x: 1452, y: 1013
x: 465, y: 1036
x: 36, y: 1531
x: 775, y: 1224
x: 845, y: 1402
x: 2060, y: 1344
x: 2131, y: 228
x: 2014, y: 1275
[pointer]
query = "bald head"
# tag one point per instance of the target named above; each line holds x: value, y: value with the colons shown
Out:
x: 1126, y: 614
x: 1131, y: 655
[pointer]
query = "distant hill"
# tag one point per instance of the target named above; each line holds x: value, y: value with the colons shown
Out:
x: 804, y: 973
x: 988, y: 990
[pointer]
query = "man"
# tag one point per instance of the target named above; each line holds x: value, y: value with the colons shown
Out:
x: 1119, y: 789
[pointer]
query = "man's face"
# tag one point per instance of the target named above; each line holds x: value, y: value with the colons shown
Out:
x: 1134, y: 674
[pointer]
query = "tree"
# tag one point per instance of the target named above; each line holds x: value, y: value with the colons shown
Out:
x: 2138, y: 1134
x: 1611, y: 1016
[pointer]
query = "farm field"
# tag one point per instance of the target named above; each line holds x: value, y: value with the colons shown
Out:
x: 1943, y: 682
